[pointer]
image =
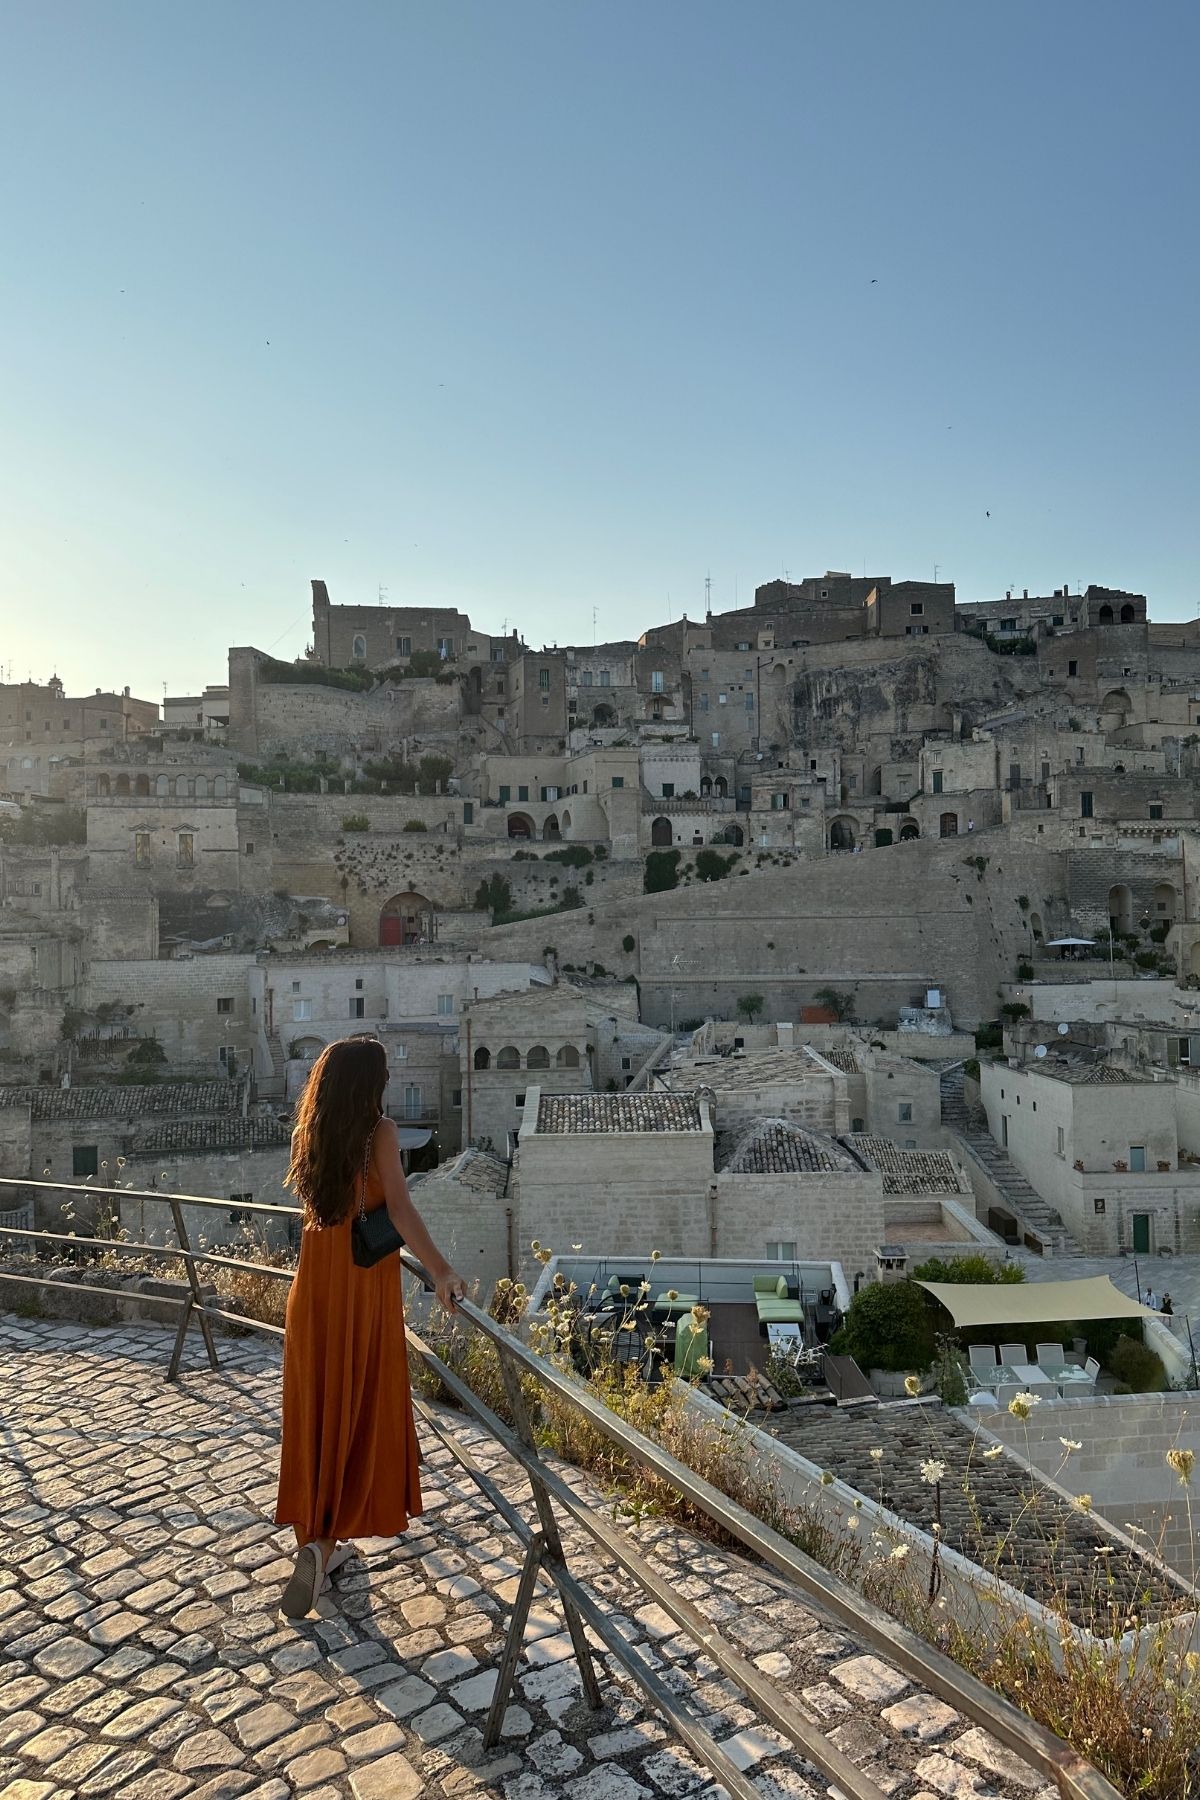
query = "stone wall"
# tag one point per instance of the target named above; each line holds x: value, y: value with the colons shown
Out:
x: 178, y: 1003
x: 1122, y: 1464
x: 272, y: 716
x: 839, y: 1216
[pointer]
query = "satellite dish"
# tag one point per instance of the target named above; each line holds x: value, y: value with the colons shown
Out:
x: 1040, y: 1051
x: 1063, y: 1030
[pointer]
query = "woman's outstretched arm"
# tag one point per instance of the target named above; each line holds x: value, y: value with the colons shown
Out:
x: 449, y: 1285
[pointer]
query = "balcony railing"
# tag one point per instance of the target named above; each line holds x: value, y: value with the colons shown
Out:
x: 1074, y: 1778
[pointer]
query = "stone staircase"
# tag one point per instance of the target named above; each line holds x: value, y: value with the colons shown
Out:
x: 1037, y: 1220
x: 272, y: 1086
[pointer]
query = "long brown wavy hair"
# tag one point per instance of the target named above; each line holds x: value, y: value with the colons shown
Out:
x: 340, y: 1106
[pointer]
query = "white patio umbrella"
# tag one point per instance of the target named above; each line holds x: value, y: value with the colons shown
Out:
x: 1068, y: 943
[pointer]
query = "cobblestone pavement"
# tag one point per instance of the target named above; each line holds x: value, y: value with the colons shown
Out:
x: 142, y: 1656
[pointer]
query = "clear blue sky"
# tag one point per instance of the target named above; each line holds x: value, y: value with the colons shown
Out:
x: 535, y: 308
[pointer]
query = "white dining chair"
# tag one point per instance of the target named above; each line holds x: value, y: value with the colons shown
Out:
x: 1013, y: 1353
x: 983, y: 1359
x: 1051, y: 1356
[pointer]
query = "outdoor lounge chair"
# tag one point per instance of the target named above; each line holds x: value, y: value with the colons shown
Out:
x: 1013, y: 1353
x: 774, y: 1304
x: 983, y: 1360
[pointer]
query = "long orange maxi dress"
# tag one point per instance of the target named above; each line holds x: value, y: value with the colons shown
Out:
x: 349, y: 1462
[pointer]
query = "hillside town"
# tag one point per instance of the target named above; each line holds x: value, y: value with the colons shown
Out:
x: 859, y: 863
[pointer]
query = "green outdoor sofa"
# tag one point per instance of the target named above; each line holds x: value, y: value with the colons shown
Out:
x: 773, y: 1303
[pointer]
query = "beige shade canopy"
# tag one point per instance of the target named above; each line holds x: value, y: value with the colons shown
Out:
x: 1034, y: 1302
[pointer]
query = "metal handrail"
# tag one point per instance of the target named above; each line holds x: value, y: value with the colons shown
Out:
x: 1073, y: 1776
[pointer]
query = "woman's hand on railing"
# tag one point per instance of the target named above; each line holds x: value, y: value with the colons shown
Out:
x: 450, y: 1287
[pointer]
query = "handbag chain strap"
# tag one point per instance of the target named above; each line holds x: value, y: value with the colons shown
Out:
x: 362, y: 1192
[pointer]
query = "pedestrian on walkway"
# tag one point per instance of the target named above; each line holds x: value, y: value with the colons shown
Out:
x: 348, y: 1465
x: 1151, y: 1299
x: 1167, y: 1307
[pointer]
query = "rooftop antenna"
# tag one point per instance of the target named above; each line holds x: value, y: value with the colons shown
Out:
x: 936, y: 567
x: 382, y: 593
x: 593, y: 627
x: 708, y: 592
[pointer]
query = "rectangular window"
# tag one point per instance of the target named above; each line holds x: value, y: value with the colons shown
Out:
x: 104, y: 724
x: 905, y: 1112
x: 85, y: 1160
x: 1137, y: 1159
x: 668, y: 790
x: 783, y: 1251
x: 626, y: 1062
x: 1085, y: 805
x: 722, y: 699
x: 404, y: 646
x: 618, y: 781
x: 917, y: 608
x: 605, y: 678
x: 358, y: 1007
x: 468, y: 812
x: 937, y: 781
x: 413, y: 1100
x: 544, y: 680
x: 445, y: 647
x: 586, y: 678
x: 1098, y: 1206
x: 853, y: 782
x: 522, y: 792
x: 301, y: 1009
x: 704, y: 703
x: 505, y: 795
x: 1060, y: 1143
x: 716, y: 740
x: 656, y: 681
x: 749, y: 702
x: 445, y: 1006
x: 456, y: 1097
x: 224, y: 1006
x: 1045, y: 771
x: 1072, y: 670
x: 184, y: 856
x: 141, y: 847
x: 1156, y: 811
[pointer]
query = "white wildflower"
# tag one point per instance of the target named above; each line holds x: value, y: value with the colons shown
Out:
x: 932, y: 1471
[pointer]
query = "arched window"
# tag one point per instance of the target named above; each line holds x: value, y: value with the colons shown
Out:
x: 201, y: 788
x: 875, y: 785
x: 550, y: 830
x: 162, y: 786
x: 705, y: 787
x: 1105, y: 616
x: 566, y: 821
x: 102, y: 789
x: 360, y: 647
x: 603, y: 717
x: 909, y: 830
x: 123, y: 784
x: 568, y: 1057
x: 407, y: 919
x: 141, y: 784
x: 483, y: 1058
x: 183, y: 787
x: 1120, y: 908
x: 1127, y: 614
x: 220, y: 788
x: 948, y: 825
x: 520, y: 825
x: 1035, y: 927
x: 841, y: 834
x: 509, y: 1058
x: 538, y: 1058
x: 661, y: 833
x: 720, y: 787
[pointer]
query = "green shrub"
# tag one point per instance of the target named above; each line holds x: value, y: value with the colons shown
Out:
x: 494, y: 896
x: 662, y: 871
x: 989, y: 1037
x: 749, y: 1006
x: 355, y: 822
x: 1160, y: 932
x: 888, y: 1326
x: 576, y: 856
x: 1146, y: 959
x: 971, y: 1068
x: 414, y: 825
x: 1137, y: 1367
x: 300, y: 674
x: 1015, y: 1009
x: 1024, y: 971
x: 628, y: 943
x: 149, y: 1053
x: 46, y: 825
x: 977, y: 1268
x: 710, y: 866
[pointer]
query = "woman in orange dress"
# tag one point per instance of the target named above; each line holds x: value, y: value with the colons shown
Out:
x: 348, y: 1465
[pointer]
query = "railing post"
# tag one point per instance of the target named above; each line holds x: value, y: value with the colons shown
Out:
x: 552, y: 1550
x: 196, y: 1298
x: 514, y: 1640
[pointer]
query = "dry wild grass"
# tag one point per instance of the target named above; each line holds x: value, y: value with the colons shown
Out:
x: 1134, y: 1713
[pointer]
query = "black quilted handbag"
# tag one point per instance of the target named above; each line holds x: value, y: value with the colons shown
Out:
x: 372, y: 1236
